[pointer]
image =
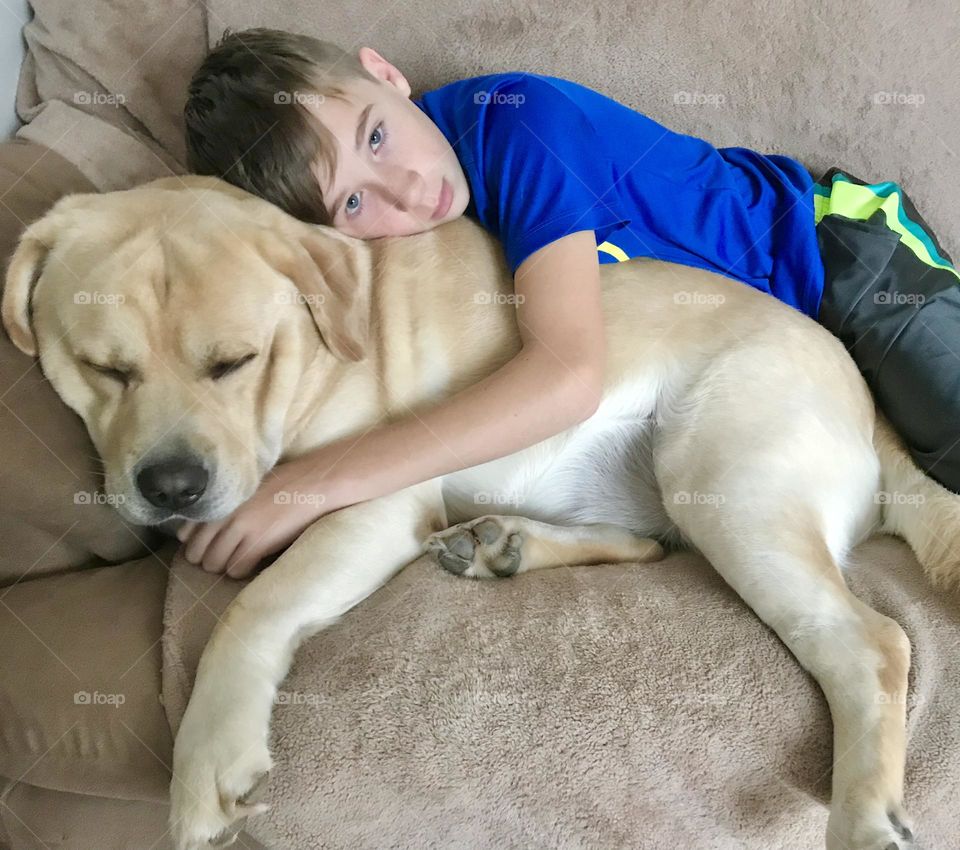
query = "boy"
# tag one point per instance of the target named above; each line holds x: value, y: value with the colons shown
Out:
x: 566, y: 179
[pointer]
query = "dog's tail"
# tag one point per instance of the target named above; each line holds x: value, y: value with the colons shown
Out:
x: 918, y: 509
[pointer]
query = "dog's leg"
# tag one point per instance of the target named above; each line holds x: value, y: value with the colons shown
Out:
x: 500, y: 546
x: 220, y: 755
x: 859, y: 657
x: 780, y: 452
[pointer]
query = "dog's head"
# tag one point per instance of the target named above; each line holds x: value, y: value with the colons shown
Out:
x: 177, y: 319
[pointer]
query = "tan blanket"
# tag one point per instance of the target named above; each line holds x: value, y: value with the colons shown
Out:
x: 588, y: 707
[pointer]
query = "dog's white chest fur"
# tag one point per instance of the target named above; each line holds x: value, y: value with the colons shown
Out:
x: 599, y: 471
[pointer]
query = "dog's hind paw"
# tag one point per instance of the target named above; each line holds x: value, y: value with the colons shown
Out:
x: 888, y: 829
x: 481, y: 548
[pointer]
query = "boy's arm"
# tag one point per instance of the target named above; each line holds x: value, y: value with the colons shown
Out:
x: 552, y: 383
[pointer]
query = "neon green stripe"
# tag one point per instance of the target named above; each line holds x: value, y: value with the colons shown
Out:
x: 860, y: 202
x: 613, y: 251
x: 821, y: 205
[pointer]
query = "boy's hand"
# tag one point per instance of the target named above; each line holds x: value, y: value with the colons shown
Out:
x: 289, y: 499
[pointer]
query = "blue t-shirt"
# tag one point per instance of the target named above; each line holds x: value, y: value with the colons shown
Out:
x: 546, y: 157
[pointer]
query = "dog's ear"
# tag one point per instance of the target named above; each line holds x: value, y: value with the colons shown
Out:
x: 23, y: 271
x: 334, y: 273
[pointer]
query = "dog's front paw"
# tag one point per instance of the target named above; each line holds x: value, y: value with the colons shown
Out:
x: 482, y: 548
x: 217, y: 777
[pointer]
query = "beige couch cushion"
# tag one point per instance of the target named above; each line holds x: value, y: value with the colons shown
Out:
x: 104, y: 84
x: 41, y: 819
x: 80, y: 682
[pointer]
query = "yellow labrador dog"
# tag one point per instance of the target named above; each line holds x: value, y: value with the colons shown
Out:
x: 203, y: 336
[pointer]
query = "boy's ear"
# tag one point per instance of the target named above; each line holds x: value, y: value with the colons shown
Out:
x: 383, y: 70
x: 334, y: 273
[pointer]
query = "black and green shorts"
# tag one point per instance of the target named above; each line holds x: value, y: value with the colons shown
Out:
x: 892, y: 296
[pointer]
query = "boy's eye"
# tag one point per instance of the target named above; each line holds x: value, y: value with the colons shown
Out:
x: 377, y: 138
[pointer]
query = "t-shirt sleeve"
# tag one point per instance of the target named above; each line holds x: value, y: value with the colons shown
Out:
x: 544, y: 168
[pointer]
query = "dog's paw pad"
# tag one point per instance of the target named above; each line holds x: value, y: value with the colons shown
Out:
x: 505, y: 557
x: 453, y: 549
x: 481, y: 548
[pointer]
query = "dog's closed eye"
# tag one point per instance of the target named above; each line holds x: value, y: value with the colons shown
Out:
x: 121, y: 375
x: 222, y: 368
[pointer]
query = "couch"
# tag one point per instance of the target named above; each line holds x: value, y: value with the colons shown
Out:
x: 583, y: 707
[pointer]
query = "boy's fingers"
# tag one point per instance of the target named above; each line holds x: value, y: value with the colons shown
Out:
x: 242, y: 562
x: 218, y: 551
x: 196, y: 546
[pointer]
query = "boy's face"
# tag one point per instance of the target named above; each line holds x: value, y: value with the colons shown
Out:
x: 392, y: 183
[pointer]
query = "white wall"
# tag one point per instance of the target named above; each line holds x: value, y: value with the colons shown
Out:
x: 13, y: 15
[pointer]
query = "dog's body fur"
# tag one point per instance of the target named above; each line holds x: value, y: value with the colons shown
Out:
x: 730, y: 423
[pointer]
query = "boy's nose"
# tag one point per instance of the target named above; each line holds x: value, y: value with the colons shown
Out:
x: 407, y: 193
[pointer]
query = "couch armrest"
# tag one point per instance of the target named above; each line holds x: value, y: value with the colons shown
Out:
x: 47, y: 462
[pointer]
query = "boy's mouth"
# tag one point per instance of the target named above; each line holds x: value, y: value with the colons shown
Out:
x: 443, y: 203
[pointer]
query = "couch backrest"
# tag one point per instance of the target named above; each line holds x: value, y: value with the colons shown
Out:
x: 869, y: 87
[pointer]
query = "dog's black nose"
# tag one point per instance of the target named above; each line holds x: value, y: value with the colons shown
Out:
x: 174, y: 483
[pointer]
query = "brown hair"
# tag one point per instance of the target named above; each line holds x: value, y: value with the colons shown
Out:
x: 246, y: 121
